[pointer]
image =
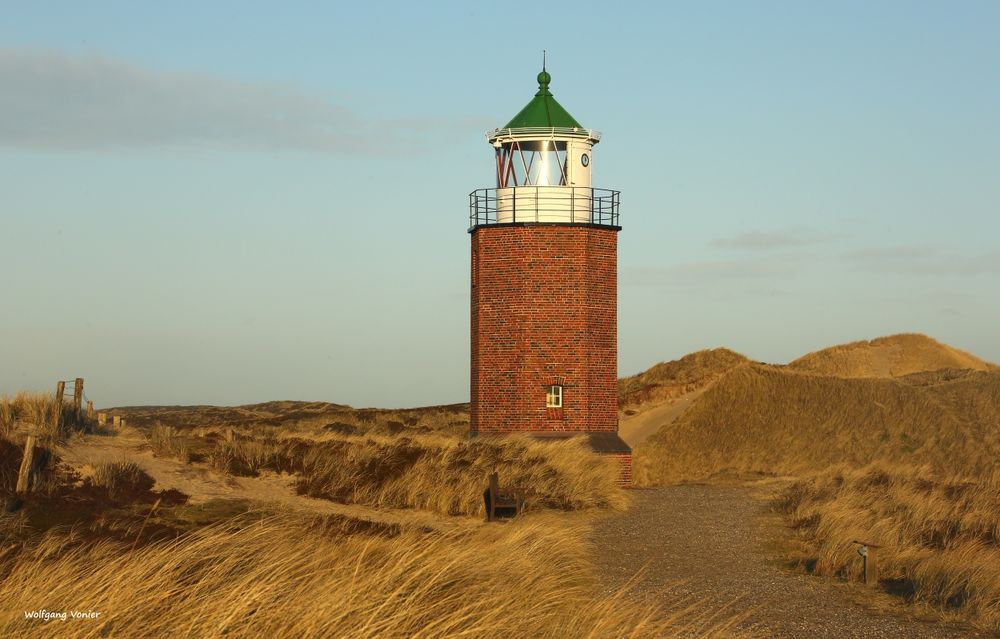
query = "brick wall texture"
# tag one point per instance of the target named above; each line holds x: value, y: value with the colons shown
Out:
x: 624, y: 469
x: 544, y: 311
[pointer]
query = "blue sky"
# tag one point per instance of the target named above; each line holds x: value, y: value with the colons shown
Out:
x: 242, y: 202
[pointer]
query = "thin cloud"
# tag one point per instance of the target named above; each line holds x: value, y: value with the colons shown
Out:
x: 772, y: 240
x: 54, y: 101
x: 706, y: 271
x: 914, y: 259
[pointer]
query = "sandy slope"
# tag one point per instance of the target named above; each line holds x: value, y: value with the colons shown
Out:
x: 634, y: 429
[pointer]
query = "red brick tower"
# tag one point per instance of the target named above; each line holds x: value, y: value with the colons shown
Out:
x: 544, y: 285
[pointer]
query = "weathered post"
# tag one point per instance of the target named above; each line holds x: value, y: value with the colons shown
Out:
x: 24, y: 473
x: 116, y: 421
x: 102, y: 419
x: 869, y: 557
x: 60, y: 391
x: 77, y: 397
x: 90, y: 408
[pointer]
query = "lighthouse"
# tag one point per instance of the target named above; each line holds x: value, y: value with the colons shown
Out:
x: 544, y: 291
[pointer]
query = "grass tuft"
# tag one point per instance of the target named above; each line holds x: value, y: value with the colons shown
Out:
x: 122, y: 479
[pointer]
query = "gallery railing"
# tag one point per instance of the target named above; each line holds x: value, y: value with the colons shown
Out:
x: 544, y: 204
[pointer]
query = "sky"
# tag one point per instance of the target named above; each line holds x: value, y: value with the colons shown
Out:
x: 236, y: 202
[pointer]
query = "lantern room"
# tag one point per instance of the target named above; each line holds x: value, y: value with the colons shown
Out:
x: 544, y: 162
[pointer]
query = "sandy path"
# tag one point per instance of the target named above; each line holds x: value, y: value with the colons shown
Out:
x: 709, y: 537
x: 202, y: 484
x: 635, y: 429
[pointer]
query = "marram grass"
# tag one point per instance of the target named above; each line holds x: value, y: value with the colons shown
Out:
x: 280, y: 577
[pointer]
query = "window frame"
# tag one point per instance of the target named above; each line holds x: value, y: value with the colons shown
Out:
x: 554, y: 396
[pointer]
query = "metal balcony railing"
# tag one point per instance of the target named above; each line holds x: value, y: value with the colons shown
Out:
x: 544, y: 204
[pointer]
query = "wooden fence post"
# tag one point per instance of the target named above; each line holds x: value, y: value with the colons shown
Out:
x: 23, y: 474
x: 78, y: 396
x: 102, y: 419
x: 90, y: 408
x: 116, y: 420
x: 60, y: 391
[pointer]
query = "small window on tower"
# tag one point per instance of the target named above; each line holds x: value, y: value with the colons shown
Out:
x: 553, y: 397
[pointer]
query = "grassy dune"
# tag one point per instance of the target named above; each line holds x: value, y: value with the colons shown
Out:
x: 893, y: 441
x: 940, y: 532
x: 431, y: 473
x: 768, y: 420
x: 669, y: 379
x: 437, y: 476
x: 892, y: 356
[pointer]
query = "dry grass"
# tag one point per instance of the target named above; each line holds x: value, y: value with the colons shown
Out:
x: 767, y: 420
x: 672, y: 379
x: 305, y: 418
x: 941, y: 533
x: 284, y: 577
x: 438, y: 475
x: 431, y: 473
x: 248, y: 456
x: 121, y: 478
x: 168, y: 442
x: 35, y: 413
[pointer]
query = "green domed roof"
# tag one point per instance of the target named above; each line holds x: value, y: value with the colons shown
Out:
x: 543, y: 110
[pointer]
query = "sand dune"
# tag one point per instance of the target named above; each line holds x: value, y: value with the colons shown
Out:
x: 892, y: 356
x: 772, y: 420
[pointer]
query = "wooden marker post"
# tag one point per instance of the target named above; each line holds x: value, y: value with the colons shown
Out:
x: 25, y: 472
x: 102, y: 419
x: 116, y: 420
x: 60, y: 391
x: 90, y: 408
x: 869, y: 556
x: 78, y: 396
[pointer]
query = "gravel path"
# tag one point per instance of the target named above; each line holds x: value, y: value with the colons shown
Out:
x: 711, y: 539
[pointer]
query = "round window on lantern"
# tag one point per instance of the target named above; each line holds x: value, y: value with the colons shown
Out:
x: 585, y: 159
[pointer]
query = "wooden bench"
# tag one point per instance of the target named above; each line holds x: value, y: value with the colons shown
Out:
x: 502, y: 504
